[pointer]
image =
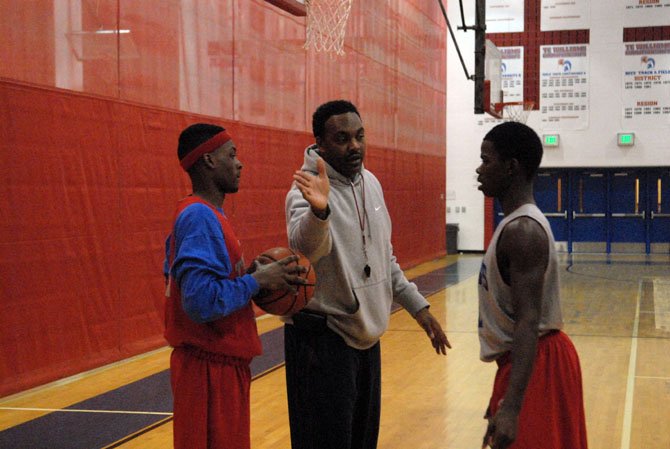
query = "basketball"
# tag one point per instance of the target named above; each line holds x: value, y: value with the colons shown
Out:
x: 284, y: 302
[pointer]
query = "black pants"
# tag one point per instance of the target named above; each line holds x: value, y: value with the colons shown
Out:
x: 334, y: 391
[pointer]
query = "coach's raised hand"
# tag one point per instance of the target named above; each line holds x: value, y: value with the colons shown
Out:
x: 314, y: 188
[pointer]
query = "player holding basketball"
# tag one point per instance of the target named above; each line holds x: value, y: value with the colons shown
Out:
x: 337, y: 218
x: 537, y: 394
x: 209, y: 319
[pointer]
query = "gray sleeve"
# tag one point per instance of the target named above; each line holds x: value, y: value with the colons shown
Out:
x: 405, y: 292
x: 307, y: 233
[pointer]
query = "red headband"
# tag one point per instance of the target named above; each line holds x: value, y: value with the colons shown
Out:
x: 206, y: 147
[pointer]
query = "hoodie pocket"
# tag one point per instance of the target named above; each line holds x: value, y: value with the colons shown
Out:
x: 373, y: 303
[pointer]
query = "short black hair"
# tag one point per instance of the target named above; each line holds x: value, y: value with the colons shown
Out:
x: 326, y: 111
x: 194, y: 135
x: 514, y: 140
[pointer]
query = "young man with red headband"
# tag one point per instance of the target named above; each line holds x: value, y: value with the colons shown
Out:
x: 209, y: 318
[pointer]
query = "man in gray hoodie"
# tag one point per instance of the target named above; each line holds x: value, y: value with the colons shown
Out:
x: 337, y: 218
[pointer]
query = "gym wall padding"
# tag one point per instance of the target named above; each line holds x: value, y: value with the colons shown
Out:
x: 90, y: 175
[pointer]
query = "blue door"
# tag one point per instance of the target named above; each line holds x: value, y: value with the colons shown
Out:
x: 627, y: 223
x: 659, y: 210
x: 551, y: 196
x: 588, y: 203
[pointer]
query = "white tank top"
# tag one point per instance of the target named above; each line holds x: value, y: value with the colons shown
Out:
x: 496, y: 314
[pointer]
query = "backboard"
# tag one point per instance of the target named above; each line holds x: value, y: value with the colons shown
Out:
x: 493, y: 93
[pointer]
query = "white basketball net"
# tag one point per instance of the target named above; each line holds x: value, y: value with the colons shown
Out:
x: 326, y: 24
x: 517, y: 112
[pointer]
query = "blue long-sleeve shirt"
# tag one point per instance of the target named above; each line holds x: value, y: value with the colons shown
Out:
x: 202, y: 267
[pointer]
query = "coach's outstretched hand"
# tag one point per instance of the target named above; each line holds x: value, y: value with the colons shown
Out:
x: 434, y: 331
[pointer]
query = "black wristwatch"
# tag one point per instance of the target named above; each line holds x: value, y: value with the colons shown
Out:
x: 322, y: 215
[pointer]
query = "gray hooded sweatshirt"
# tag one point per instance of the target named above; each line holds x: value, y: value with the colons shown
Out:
x: 358, y: 307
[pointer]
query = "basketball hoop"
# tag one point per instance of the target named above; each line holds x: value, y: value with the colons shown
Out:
x: 326, y: 24
x: 514, y: 111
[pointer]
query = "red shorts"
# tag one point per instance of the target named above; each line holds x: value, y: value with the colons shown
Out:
x: 211, y: 400
x: 552, y: 414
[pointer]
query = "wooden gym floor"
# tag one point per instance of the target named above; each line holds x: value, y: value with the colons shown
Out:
x: 616, y: 310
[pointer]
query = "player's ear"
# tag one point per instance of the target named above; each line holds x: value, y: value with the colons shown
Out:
x: 208, y: 159
x: 514, y: 166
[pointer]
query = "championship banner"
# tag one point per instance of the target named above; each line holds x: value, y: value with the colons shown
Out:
x: 504, y: 16
x: 646, y: 13
x: 564, y: 86
x: 564, y: 15
x: 646, y: 84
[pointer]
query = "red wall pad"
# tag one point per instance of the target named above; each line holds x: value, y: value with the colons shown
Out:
x: 87, y: 193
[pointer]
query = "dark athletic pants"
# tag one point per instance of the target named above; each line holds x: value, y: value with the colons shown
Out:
x: 334, y: 391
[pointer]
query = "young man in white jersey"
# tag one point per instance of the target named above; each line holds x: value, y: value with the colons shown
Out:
x: 537, y: 399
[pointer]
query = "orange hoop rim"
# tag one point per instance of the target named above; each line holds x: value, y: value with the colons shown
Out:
x: 527, y: 105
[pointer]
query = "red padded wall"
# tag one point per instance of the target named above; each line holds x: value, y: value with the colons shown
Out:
x: 90, y: 175
x: 489, y: 221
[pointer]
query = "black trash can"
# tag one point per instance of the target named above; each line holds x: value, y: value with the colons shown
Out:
x: 452, y: 238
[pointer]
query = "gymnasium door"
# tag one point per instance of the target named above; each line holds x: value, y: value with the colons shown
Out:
x: 659, y: 210
x: 588, y: 191
x: 597, y: 210
x: 628, y: 211
x: 551, y: 196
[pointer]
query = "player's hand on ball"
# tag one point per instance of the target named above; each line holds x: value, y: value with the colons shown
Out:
x: 299, y: 286
x: 283, y: 274
x: 315, y: 189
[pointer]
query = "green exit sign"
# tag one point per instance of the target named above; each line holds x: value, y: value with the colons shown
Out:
x: 550, y: 140
x: 625, y: 139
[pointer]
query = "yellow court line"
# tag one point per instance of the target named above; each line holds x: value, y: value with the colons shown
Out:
x: 630, y: 384
x: 83, y: 375
x: 138, y: 433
